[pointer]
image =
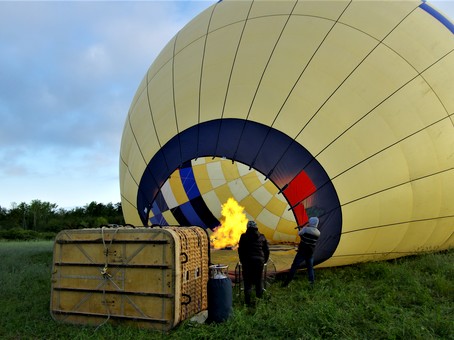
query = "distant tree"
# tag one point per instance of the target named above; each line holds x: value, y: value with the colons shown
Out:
x: 23, y: 210
x: 45, y: 216
x: 111, y: 214
x: 3, y: 217
x: 73, y: 218
x: 41, y: 212
x: 94, y: 209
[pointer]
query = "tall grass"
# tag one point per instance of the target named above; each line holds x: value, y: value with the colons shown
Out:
x: 408, y: 298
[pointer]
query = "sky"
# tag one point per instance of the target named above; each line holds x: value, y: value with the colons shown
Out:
x: 68, y: 74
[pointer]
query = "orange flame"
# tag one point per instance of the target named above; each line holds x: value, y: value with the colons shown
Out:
x: 233, y: 224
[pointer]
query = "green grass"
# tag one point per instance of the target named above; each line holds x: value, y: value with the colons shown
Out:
x: 408, y: 298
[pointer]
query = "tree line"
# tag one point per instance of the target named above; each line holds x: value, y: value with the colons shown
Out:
x: 39, y: 216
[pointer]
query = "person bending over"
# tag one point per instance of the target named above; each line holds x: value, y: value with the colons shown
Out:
x: 305, y: 254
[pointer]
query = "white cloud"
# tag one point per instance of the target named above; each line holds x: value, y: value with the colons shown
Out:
x: 68, y: 73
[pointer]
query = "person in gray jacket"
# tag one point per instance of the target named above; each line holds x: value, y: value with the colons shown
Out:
x: 309, y: 236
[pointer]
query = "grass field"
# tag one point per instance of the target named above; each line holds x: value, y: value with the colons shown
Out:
x: 409, y: 298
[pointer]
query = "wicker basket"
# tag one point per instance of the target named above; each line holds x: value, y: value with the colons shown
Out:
x: 149, y: 277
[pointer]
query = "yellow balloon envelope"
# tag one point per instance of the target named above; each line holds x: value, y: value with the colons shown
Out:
x: 338, y: 109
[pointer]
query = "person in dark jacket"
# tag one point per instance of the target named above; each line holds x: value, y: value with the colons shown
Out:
x: 305, y: 254
x: 254, y: 252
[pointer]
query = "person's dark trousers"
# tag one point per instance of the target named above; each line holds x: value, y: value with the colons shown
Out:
x: 252, y: 276
x: 299, y: 259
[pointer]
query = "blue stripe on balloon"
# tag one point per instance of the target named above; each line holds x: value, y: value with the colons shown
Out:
x: 191, y: 215
x: 189, y: 183
x: 155, y: 208
x: 160, y: 202
x: 180, y: 216
x: 205, y: 214
x: 158, y: 219
x: 437, y: 15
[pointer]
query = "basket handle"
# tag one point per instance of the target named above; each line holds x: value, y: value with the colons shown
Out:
x: 188, y: 297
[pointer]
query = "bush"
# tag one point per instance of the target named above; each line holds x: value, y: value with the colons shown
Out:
x: 19, y: 234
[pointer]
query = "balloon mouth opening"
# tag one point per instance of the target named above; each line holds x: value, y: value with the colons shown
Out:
x: 228, y: 218
x: 278, y: 180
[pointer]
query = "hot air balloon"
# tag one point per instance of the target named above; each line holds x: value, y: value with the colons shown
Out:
x: 338, y: 109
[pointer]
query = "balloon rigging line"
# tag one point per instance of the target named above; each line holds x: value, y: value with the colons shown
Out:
x: 389, y: 146
x: 376, y: 153
x: 380, y: 42
x: 201, y: 75
x: 373, y: 109
x: 151, y: 114
x: 398, y: 185
x: 269, y: 58
x: 130, y: 175
x: 230, y: 75
x: 375, y: 254
x: 260, y: 82
x: 293, y: 88
x: 308, y: 63
x: 375, y: 193
x: 173, y: 96
x: 147, y: 169
x: 396, y: 143
x: 397, y: 223
x: 379, y: 191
